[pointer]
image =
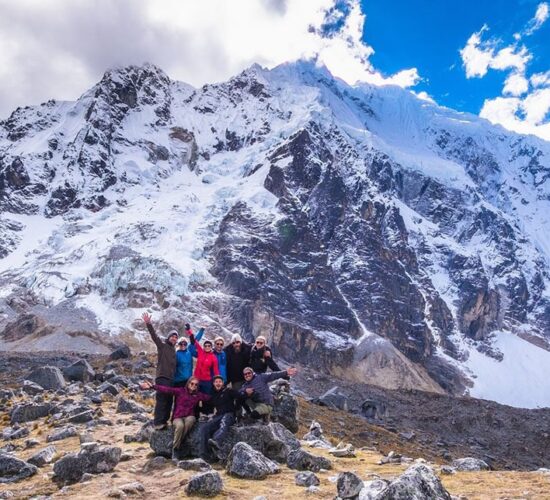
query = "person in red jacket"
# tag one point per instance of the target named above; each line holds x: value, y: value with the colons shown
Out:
x: 187, y: 400
x: 207, y: 365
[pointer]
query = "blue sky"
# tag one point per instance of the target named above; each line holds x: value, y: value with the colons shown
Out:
x: 428, y: 35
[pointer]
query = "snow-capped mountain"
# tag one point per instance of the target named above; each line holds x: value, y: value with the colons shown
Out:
x: 363, y: 230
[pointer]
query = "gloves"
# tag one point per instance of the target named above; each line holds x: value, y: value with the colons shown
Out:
x: 187, y: 326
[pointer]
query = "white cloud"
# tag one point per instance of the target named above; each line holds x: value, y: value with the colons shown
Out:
x: 516, y: 84
x: 527, y: 114
x: 59, y: 48
x: 541, y: 16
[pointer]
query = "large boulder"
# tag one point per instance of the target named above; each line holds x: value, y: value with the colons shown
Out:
x: 245, y: 462
x: 302, y: 460
x: 470, y: 464
x: 333, y: 398
x: 48, y: 377
x: 122, y: 352
x: 348, y: 485
x: 418, y: 481
x: 80, y: 371
x: 30, y: 411
x: 12, y: 469
x: 43, y: 457
x: 91, y: 459
x: 273, y: 440
x: 206, y: 484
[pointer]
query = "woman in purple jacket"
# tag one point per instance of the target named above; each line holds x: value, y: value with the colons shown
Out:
x: 187, y: 399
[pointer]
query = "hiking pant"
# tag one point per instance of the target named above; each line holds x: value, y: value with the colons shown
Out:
x: 181, y: 427
x: 261, y: 408
x: 163, y: 403
x: 218, y: 427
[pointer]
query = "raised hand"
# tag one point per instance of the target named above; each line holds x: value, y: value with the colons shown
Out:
x: 291, y: 371
x: 144, y: 386
x: 146, y: 317
x: 187, y: 326
x: 249, y: 391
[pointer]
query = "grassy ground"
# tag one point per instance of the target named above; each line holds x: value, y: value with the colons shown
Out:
x: 169, y: 481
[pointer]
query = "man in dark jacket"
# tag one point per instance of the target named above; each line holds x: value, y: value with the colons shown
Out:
x: 224, y: 402
x: 166, y: 368
x: 256, y: 390
x: 261, y: 357
x: 238, y: 358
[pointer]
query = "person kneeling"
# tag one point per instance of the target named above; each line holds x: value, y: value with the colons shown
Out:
x: 224, y: 402
x: 255, y: 389
x: 187, y: 400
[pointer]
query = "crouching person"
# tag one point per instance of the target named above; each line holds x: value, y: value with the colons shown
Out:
x: 224, y: 402
x: 259, y: 400
x: 186, y: 401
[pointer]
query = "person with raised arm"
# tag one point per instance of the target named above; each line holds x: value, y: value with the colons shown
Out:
x: 256, y: 391
x: 187, y: 400
x: 207, y: 364
x: 261, y: 357
x: 184, y: 363
x: 198, y: 337
x: 166, y: 368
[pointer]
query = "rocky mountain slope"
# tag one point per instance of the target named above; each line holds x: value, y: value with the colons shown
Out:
x: 366, y: 232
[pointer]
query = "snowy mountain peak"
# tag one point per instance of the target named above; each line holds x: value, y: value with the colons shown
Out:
x: 363, y: 230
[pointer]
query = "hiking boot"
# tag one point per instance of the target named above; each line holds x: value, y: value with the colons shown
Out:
x: 214, y: 444
x: 255, y: 415
x: 176, y: 454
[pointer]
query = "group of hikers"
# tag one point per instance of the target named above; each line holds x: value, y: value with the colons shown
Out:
x: 223, y: 382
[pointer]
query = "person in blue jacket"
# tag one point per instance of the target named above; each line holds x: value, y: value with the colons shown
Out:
x: 222, y: 357
x: 198, y: 336
x: 184, y: 363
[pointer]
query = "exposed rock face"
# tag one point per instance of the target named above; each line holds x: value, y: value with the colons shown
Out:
x: 12, y: 469
x: 247, y: 463
x: 366, y: 233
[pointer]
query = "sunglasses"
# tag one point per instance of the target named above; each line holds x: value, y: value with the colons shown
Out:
x: 193, y: 384
x: 246, y: 374
x: 208, y: 345
x: 219, y: 343
x: 259, y: 342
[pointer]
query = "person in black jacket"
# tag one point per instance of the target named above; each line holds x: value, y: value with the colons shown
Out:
x: 166, y: 369
x: 225, y: 402
x: 238, y: 358
x: 261, y: 357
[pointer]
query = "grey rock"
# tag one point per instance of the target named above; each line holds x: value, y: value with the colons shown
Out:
x: 126, y: 406
x: 333, y: 398
x: 31, y: 443
x: 196, y: 464
x: 302, y: 460
x: 120, y: 380
x: 470, y: 464
x: 72, y: 466
x: 80, y: 370
x: 82, y: 417
x: 122, y: 352
x: 348, y: 485
x: 315, y: 437
x: 207, y: 484
x: 12, y: 469
x: 245, y: 462
x: 141, y: 436
x: 342, y: 450
x: 109, y: 388
x: 30, y: 411
x: 285, y: 408
x: 418, y: 481
x: 133, y: 488
x: 447, y: 470
x: 155, y: 463
x: 306, y: 478
x: 48, y: 377
x: 31, y: 388
x: 43, y: 457
x: 373, y: 489
x: 60, y: 434
x: 14, y: 433
x: 6, y: 394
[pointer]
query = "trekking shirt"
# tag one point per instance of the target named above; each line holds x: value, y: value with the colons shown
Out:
x: 184, y: 365
x: 224, y: 401
x: 259, y: 363
x: 185, y: 401
x: 166, y: 355
x: 259, y: 382
x: 237, y: 362
x: 207, y: 363
x: 222, y: 363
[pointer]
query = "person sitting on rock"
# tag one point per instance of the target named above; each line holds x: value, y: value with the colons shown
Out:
x: 221, y: 356
x: 238, y: 358
x: 187, y: 400
x: 255, y: 389
x: 261, y: 357
x: 224, y: 402
x: 207, y: 365
x: 166, y: 368
x: 184, y: 363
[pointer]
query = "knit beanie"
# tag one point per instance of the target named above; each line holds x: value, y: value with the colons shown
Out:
x: 236, y: 337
